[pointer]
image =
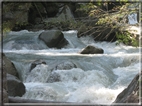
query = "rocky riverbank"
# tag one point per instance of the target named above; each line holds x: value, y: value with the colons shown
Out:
x: 57, y: 17
x: 13, y: 86
x: 68, y: 16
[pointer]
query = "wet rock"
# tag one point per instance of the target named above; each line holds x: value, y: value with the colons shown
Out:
x: 53, y: 39
x: 35, y: 63
x: 9, y: 67
x: 92, y: 50
x: 67, y: 65
x: 53, y: 77
x: 131, y: 93
x: 15, y: 86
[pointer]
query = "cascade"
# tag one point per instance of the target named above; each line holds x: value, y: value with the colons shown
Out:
x: 67, y: 75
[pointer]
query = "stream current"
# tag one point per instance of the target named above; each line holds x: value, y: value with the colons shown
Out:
x: 97, y: 78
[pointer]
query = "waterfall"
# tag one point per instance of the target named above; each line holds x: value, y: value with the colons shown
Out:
x: 132, y: 18
x: 67, y: 75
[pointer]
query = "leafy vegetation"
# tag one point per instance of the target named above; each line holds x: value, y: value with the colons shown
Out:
x: 94, y: 18
x: 115, y: 20
x: 13, y: 18
x: 127, y: 39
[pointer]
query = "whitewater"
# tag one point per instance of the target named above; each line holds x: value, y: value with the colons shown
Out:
x: 97, y: 78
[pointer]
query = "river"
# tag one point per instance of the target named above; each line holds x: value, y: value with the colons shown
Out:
x: 97, y: 78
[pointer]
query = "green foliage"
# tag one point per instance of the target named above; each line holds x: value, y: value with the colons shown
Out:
x: 104, y: 20
x: 17, y: 19
x: 12, y: 6
x: 119, y: 15
x: 126, y: 38
x: 7, y: 26
x: 116, y: 21
x: 85, y: 8
x: 65, y: 25
x: 122, y: 0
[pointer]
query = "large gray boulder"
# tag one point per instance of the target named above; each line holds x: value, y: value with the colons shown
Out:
x: 15, y: 86
x: 92, y: 50
x: 9, y: 67
x: 53, y: 39
x: 131, y: 94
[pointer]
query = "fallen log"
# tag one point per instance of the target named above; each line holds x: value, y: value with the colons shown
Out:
x: 21, y: 100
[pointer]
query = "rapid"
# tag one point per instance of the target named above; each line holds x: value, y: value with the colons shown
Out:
x: 97, y: 78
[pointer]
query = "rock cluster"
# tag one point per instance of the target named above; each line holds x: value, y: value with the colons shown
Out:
x: 12, y: 85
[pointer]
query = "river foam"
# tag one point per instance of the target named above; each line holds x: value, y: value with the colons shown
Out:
x: 97, y: 78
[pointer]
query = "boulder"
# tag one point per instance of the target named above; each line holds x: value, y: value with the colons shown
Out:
x: 4, y: 96
x: 64, y: 14
x: 92, y: 50
x: 67, y: 65
x: 53, y: 77
x: 53, y: 39
x: 15, y: 86
x: 3, y: 90
x: 4, y: 80
x: 9, y: 67
x: 51, y: 8
x: 131, y: 94
x: 35, y: 63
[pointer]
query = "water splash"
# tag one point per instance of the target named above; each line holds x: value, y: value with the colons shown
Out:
x: 97, y: 78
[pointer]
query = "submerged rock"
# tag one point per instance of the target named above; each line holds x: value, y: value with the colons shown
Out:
x: 15, y: 86
x: 35, y: 63
x: 131, y: 93
x: 67, y: 65
x: 53, y: 77
x: 53, y: 39
x: 92, y: 50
